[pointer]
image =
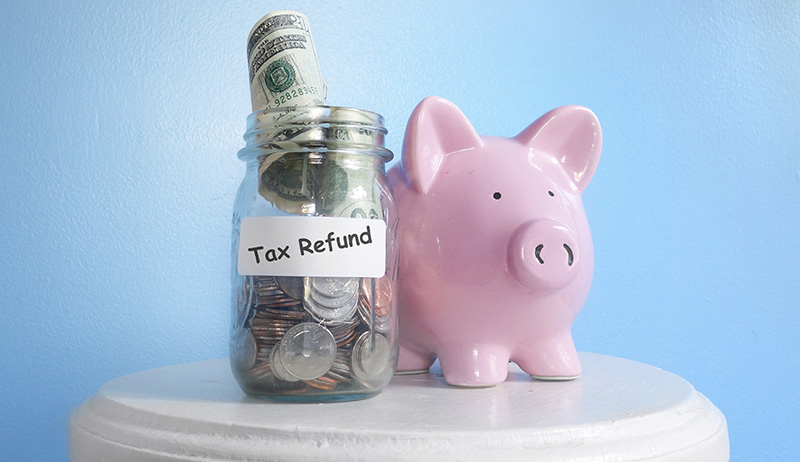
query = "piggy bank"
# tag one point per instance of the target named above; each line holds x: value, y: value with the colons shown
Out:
x: 496, y: 257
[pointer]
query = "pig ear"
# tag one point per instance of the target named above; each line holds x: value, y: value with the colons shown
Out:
x: 436, y: 128
x: 572, y: 135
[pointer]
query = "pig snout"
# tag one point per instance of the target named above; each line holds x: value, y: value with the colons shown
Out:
x: 543, y: 255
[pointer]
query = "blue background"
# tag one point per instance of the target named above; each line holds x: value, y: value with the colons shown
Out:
x: 120, y: 126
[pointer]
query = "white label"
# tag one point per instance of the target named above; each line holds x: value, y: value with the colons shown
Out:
x: 312, y: 246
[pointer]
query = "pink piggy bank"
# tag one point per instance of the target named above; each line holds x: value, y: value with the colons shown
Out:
x: 495, y: 253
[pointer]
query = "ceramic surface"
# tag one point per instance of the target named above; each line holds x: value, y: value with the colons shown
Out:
x: 496, y: 256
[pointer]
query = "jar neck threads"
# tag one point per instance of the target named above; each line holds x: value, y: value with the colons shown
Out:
x: 315, y: 129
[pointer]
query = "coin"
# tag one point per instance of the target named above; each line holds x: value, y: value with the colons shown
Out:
x: 331, y: 300
x: 269, y: 298
x: 269, y: 331
x: 383, y: 324
x: 382, y: 294
x: 382, y: 319
x: 370, y: 357
x: 244, y: 349
x: 291, y: 286
x: 324, y: 383
x: 260, y: 371
x: 307, y: 351
x: 344, y: 333
x: 277, y: 367
x: 333, y: 286
x: 242, y: 304
x: 331, y: 315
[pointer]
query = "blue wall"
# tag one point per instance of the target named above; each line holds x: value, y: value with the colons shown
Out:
x: 121, y: 122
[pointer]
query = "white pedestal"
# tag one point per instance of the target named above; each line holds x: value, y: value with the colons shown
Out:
x: 619, y: 410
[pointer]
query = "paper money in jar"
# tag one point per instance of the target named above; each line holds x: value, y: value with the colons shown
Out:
x: 321, y: 160
x: 284, y: 73
x: 347, y: 183
x: 282, y: 61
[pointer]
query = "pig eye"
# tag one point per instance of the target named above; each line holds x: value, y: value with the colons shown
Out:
x: 497, y: 196
x: 551, y: 193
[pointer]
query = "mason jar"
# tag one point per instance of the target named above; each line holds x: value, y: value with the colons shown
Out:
x: 314, y: 257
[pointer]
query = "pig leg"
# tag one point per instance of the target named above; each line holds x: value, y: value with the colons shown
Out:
x: 473, y: 365
x: 549, y: 359
x: 413, y: 361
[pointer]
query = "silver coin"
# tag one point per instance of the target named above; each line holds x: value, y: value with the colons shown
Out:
x: 307, y: 351
x: 331, y: 313
x: 333, y: 287
x: 243, y: 300
x: 274, y: 297
x: 370, y: 356
x: 331, y: 293
x: 291, y: 286
x: 263, y: 283
x: 244, y: 349
x: 382, y: 324
x: 331, y: 302
x: 277, y: 367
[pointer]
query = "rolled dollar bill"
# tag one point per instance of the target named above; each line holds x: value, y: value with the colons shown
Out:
x: 284, y: 74
x: 288, y: 180
x: 347, y: 180
x: 348, y: 188
x: 282, y: 62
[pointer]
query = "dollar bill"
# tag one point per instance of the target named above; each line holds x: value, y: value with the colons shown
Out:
x: 282, y: 63
x: 324, y: 163
x: 335, y: 185
x: 285, y: 81
x: 348, y: 179
x: 288, y: 180
x: 348, y: 187
x: 284, y: 74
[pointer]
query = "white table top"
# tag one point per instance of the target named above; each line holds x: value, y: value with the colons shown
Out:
x: 618, y: 410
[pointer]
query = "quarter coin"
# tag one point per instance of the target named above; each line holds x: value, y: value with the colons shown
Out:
x: 370, y: 356
x: 307, y: 351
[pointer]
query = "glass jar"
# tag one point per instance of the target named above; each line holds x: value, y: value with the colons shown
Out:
x: 314, y: 257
